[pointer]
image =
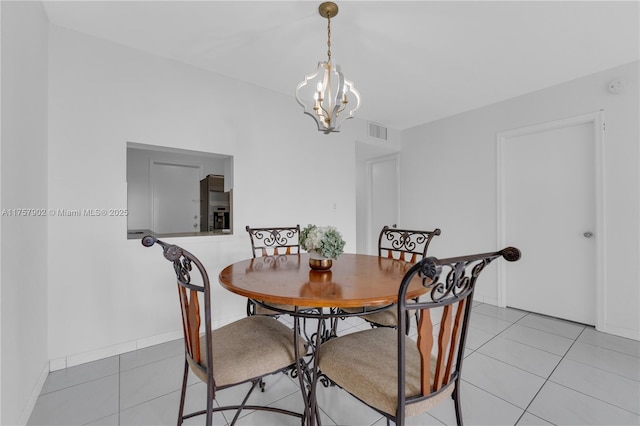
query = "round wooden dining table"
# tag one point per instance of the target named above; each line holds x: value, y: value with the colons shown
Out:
x: 354, y: 280
x: 286, y: 284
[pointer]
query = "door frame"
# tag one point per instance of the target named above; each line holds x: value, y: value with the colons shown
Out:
x: 596, y: 119
x: 370, y: 235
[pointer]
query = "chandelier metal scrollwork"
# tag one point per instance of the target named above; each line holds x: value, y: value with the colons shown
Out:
x: 326, y: 95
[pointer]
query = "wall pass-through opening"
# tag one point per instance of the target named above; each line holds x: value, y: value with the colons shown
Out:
x: 177, y: 192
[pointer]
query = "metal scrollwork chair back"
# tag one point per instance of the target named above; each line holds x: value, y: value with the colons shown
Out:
x: 401, y: 376
x: 272, y: 242
x: 405, y: 244
x: 243, y: 351
x: 409, y: 245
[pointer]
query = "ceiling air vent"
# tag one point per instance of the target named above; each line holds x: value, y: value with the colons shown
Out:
x: 377, y: 131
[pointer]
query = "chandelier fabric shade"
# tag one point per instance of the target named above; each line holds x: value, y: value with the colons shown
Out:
x: 326, y: 95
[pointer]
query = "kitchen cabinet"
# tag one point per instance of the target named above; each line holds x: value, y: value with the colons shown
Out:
x: 215, y: 205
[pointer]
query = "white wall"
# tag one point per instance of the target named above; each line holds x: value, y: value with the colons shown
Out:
x: 456, y: 157
x: 103, y: 95
x: 23, y: 148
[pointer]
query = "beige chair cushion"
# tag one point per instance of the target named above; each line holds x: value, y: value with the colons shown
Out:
x: 365, y: 365
x: 249, y: 348
x: 386, y: 317
x: 261, y: 310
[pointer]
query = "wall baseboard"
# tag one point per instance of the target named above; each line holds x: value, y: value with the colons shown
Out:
x: 628, y: 333
x: 487, y: 300
x: 33, y: 398
x: 82, y: 358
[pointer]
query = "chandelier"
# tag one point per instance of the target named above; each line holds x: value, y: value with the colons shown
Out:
x: 326, y: 95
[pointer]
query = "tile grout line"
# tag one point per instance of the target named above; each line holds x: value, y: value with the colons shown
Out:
x: 525, y: 344
x: 485, y: 343
x: 608, y: 348
x: 485, y: 390
x: 494, y: 336
x: 565, y: 357
x: 546, y: 380
x: 581, y: 392
x: 623, y: 376
x: 584, y: 326
x: 490, y: 393
x: 75, y: 384
x: 542, y: 331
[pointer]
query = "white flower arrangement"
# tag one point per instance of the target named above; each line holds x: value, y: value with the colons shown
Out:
x: 325, y: 240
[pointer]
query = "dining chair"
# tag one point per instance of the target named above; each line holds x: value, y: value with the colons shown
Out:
x: 244, y: 351
x: 401, y: 244
x: 272, y: 242
x: 399, y: 376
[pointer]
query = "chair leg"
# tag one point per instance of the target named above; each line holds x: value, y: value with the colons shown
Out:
x: 210, y: 395
x: 244, y: 402
x: 183, y: 393
x: 456, y: 403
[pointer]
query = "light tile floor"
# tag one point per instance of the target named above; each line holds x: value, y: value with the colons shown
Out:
x: 520, y: 368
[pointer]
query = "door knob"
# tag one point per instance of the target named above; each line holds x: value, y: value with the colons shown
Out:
x: 588, y: 234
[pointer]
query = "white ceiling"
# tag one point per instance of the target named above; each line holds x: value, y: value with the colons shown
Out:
x: 412, y: 61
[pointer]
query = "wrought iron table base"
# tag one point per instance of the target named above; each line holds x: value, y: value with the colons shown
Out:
x: 306, y: 370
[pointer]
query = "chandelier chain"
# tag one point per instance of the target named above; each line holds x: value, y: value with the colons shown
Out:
x: 329, y: 37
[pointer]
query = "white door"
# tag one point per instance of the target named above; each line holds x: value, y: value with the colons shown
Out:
x: 549, y: 205
x: 383, y: 178
x: 176, y: 198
